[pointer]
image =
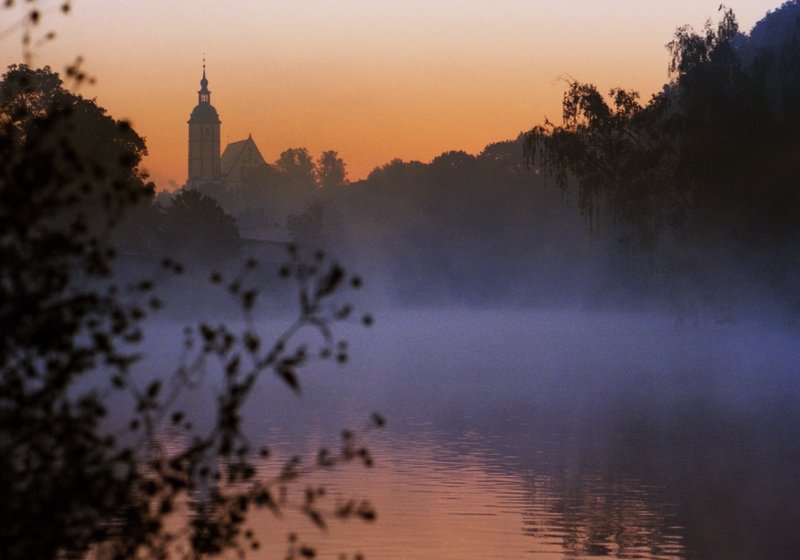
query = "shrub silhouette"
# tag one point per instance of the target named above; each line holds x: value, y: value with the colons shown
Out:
x: 71, y: 332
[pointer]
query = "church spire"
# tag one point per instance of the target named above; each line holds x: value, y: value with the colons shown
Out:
x: 204, y: 95
x: 204, y: 159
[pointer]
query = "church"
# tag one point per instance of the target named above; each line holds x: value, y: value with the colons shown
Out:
x: 206, y: 165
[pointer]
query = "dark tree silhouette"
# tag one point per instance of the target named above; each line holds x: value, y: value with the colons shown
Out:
x: 703, y: 168
x: 194, y: 226
x: 331, y: 170
x: 55, y: 327
x: 70, y: 334
x: 710, y: 149
x: 297, y: 168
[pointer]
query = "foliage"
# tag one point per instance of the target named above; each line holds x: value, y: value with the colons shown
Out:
x: 620, y: 152
x: 690, y: 51
x: 297, y: 167
x: 331, y: 170
x: 706, y: 167
x: 71, y: 334
x: 709, y: 151
x: 467, y: 229
x: 57, y: 322
x: 30, y: 16
x: 195, y: 226
x: 272, y: 192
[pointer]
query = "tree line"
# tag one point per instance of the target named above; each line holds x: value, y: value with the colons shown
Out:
x: 702, y: 178
x: 687, y: 201
x: 691, y: 197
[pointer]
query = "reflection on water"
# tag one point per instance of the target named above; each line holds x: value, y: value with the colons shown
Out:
x: 547, y: 436
x: 442, y: 497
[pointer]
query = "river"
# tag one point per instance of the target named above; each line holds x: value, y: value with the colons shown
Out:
x: 551, y: 435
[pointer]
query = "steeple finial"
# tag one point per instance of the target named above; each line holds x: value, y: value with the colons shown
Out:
x: 204, y: 95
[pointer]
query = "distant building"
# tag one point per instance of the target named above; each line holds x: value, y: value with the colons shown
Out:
x: 206, y: 166
x: 204, y: 160
x: 239, y: 160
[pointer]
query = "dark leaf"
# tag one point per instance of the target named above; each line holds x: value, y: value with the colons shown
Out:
x: 289, y: 376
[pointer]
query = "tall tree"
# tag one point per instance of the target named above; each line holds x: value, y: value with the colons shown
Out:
x: 55, y: 180
x: 331, y: 170
x: 297, y: 167
x: 704, y: 167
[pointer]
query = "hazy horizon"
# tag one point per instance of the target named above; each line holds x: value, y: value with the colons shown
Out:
x: 577, y: 342
x: 372, y: 81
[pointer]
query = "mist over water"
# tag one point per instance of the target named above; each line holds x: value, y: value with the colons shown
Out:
x: 549, y: 433
x: 550, y: 392
x: 592, y: 354
x: 584, y: 339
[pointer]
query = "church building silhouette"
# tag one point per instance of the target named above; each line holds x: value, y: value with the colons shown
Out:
x: 206, y: 165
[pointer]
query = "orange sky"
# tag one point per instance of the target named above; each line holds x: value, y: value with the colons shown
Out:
x: 371, y: 79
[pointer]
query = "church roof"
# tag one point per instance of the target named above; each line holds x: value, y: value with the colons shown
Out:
x: 241, y: 153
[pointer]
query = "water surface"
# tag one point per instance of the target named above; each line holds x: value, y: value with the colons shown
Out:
x: 553, y: 435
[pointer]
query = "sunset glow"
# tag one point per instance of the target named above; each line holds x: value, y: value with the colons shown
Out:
x: 371, y: 80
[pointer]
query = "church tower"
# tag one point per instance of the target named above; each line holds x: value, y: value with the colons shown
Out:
x: 204, y: 154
